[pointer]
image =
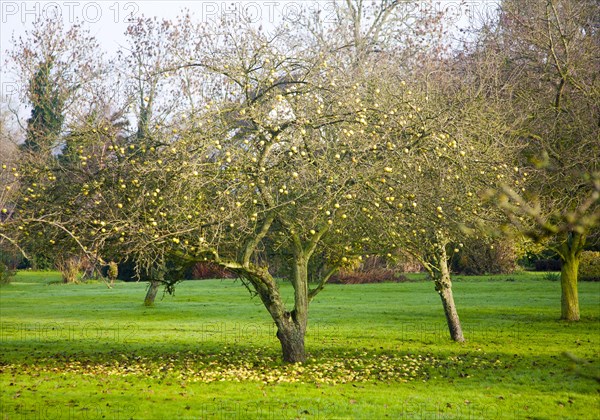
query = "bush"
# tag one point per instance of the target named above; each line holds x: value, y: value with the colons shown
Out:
x: 210, y: 270
x: 9, y: 260
x: 69, y: 269
x: 401, y: 262
x: 478, y: 256
x: 377, y: 270
x: 41, y: 262
x: 126, y: 271
x: 377, y: 275
x: 548, y: 264
x: 589, y: 266
x: 6, y: 273
x: 409, y: 264
x: 113, y: 271
x: 552, y: 276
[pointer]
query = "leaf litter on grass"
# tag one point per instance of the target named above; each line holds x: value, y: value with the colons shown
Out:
x: 260, y: 365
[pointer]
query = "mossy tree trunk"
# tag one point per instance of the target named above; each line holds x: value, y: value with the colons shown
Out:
x: 291, y: 337
x: 151, y: 293
x: 292, y: 328
x: 570, y: 254
x: 291, y: 325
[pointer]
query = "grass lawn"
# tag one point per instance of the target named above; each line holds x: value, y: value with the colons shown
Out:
x: 376, y: 351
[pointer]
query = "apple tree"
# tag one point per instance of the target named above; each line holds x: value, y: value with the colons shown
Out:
x: 269, y: 170
x: 433, y: 173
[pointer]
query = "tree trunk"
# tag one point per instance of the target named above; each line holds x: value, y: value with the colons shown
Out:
x: 568, y: 281
x: 570, y: 253
x: 443, y: 285
x: 151, y: 294
x: 291, y: 337
x: 452, y: 319
x: 290, y: 332
x: 291, y: 326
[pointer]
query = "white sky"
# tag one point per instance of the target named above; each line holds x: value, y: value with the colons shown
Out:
x: 108, y: 20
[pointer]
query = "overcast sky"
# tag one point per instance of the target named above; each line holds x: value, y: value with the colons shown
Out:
x: 108, y: 20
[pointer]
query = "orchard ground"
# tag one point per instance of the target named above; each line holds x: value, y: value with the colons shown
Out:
x: 375, y: 351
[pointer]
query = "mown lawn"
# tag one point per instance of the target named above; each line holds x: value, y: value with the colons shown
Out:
x: 376, y: 351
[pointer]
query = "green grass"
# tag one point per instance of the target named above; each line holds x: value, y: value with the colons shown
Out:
x: 376, y: 351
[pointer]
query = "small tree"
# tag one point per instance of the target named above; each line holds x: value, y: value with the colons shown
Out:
x: 69, y: 267
x: 113, y: 272
x: 432, y: 171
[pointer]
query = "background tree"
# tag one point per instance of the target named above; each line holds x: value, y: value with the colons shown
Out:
x: 546, y: 55
x: 428, y: 167
x: 366, y: 39
x: 58, y: 66
x: 153, y: 45
x: 364, y: 30
x: 10, y: 252
x: 61, y: 68
x: 45, y: 124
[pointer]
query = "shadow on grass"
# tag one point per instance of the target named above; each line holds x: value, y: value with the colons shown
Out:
x: 458, y: 365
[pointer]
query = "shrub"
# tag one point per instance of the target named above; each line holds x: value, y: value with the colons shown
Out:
x: 589, y: 266
x: 11, y: 258
x: 210, y: 270
x: 552, y: 276
x: 89, y: 268
x: 401, y: 262
x: 479, y: 256
x: 126, y: 271
x: 6, y: 273
x: 548, y: 264
x: 113, y: 271
x: 41, y: 262
x: 376, y: 275
x: 406, y: 263
x: 69, y: 269
x: 9, y: 261
x: 376, y: 270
